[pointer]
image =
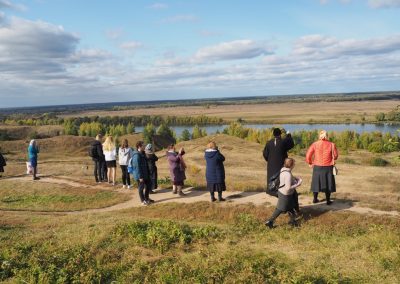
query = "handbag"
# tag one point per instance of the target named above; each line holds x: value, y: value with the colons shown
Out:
x: 29, y: 169
x: 335, y: 170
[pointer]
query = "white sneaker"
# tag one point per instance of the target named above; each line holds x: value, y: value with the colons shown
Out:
x: 129, y: 187
x: 123, y: 186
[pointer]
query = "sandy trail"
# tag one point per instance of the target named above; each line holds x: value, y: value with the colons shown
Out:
x: 193, y: 195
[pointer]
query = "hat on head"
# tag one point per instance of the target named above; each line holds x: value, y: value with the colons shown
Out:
x: 149, y: 147
x: 277, y: 132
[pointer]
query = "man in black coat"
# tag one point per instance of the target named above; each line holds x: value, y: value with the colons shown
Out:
x: 275, y: 153
x: 98, y: 158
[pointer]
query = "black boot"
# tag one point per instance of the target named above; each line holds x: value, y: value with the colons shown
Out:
x: 328, y: 198
x: 315, y: 200
x: 213, y: 199
x: 220, y: 196
x: 269, y: 224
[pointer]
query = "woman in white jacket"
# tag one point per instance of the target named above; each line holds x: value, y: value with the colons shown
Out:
x: 287, y: 185
x: 124, y: 155
x: 110, y: 153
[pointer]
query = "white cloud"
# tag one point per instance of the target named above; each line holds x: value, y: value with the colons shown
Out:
x: 384, y: 3
x: 6, y: 4
x: 238, y: 49
x: 38, y: 46
x: 319, y: 46
x: 158, y: 6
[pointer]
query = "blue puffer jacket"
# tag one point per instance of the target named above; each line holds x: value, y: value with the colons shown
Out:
x: 33, y: 152
x: 215, y: 171
x: 139, y: 163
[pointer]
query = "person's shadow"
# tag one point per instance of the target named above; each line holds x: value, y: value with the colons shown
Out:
x: 315, y: 210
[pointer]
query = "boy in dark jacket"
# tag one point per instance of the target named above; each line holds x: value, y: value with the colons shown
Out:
x: 141, y: 173
x: 215, y: 171
x: 151, y: 162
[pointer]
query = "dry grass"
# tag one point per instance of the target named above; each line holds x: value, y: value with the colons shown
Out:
x: 329, y: 112
x: 328, y: 248
x: 34, y: 196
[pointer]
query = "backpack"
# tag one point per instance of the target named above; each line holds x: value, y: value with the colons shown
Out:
x: 273, y: 184
x: 93, y: 151
x: 131, y: 167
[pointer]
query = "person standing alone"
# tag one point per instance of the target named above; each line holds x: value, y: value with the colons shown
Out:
x: 33, y: 151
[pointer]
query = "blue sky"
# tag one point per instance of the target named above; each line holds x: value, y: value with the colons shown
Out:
x: 69, y: 51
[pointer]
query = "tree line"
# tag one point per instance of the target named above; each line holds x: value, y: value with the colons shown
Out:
x: 376, y: 142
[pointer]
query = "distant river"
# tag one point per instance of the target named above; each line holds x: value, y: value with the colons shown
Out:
x: 359, y: 128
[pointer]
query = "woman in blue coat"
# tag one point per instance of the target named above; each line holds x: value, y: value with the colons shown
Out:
x: 33, y: 151
x: 215, y: 171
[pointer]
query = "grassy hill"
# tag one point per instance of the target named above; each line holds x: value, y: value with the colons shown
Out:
x: 197, y: 242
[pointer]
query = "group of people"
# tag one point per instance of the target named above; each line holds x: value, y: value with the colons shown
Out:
x: 321, y: 156
x: 141, y: 164
x: 105, y: 157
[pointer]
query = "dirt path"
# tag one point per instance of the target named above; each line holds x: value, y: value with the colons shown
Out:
x: 193, y: 195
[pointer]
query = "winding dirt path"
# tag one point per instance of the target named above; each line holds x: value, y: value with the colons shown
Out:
x: 193, y: 195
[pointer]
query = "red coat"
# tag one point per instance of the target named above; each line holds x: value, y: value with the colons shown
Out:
x: 322, y: 153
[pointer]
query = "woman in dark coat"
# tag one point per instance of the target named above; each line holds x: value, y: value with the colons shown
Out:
x: 215, y: 171
x: 177, y: 169
x: 2, y: 164
x: 275, y: 152
x: 151, y: 162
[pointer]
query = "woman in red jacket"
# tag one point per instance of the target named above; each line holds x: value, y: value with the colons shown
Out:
x: 321, y: 156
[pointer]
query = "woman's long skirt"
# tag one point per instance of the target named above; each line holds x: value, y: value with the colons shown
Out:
x: 323, y: 179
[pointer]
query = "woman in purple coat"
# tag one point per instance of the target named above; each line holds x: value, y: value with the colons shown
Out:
x: 177, y: 169
x: 215, y: 171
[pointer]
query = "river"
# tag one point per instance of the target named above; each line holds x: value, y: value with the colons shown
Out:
x: 359, y: 128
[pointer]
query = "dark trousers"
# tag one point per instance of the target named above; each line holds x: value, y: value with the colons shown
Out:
x: 296, y: 201
x: 34, y: 172
x: 103, y: 171
x: 97, y: 171
x: 125, y: 175
x: 144, y: 190
x: 278, y: 212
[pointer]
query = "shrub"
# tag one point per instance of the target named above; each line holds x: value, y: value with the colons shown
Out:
x: 378, y: 162
x: 162, y: 235
x: 376, y: 147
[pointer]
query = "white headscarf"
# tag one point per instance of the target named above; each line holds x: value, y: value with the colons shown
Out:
x: 32, y: 143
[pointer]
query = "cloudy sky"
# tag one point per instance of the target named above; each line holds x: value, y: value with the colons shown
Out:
x: 84, y: 51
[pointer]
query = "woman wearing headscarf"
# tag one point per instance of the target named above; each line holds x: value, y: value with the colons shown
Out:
x: 33, y: 151
x: 177, y: 169
x: 151, y: 162
x: 110, y: 153
x: 215, y: 171
x: 287, y: 185
x: 321, y: 157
